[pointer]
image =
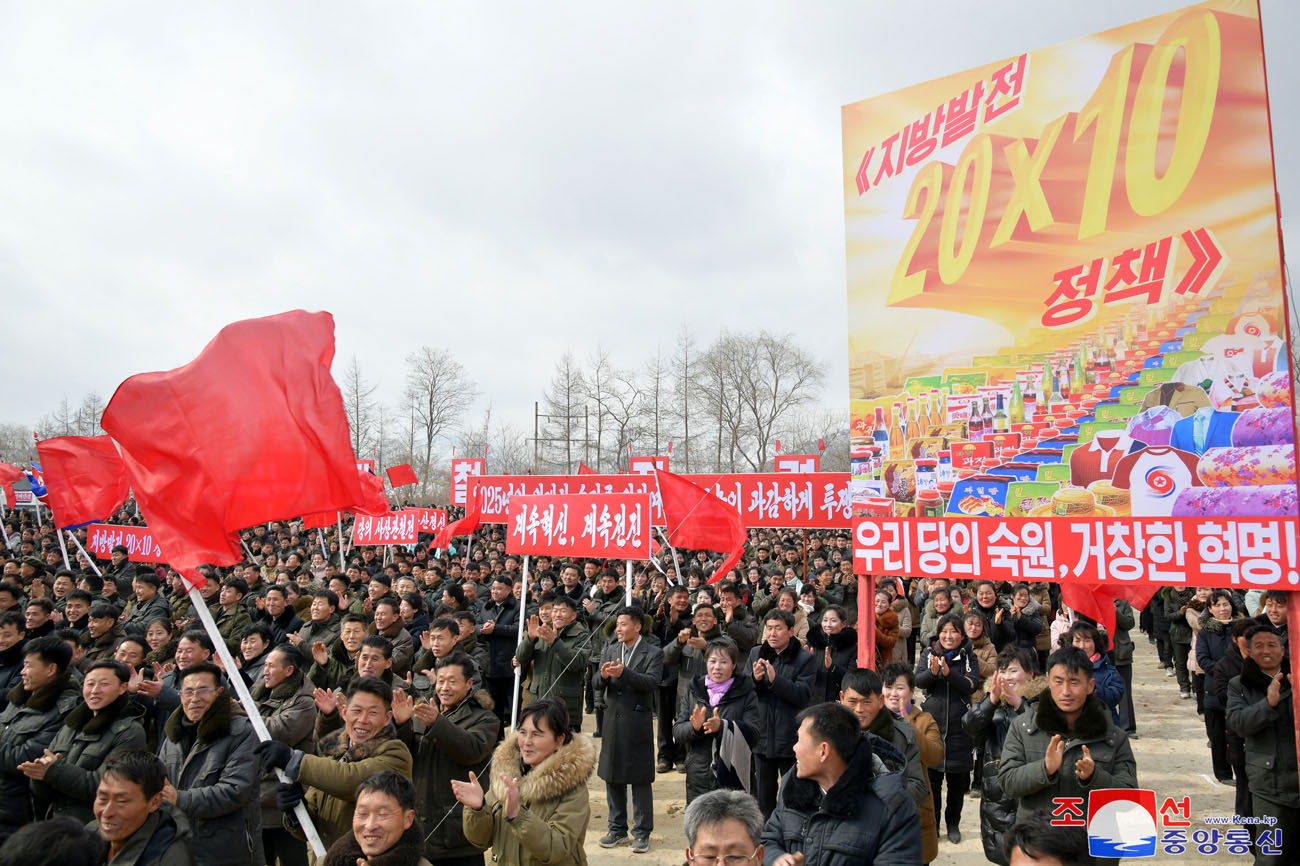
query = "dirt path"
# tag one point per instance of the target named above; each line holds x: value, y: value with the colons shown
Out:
x: 1172, y: 758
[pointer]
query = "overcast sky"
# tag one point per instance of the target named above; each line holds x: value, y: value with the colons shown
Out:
x: 507, y: 180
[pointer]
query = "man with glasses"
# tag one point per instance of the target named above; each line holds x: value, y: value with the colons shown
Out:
x: 724, y: 828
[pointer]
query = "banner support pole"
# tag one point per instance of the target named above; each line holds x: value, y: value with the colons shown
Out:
x: 628, y: 597
x: 523, y: 620
x: 342, y: 567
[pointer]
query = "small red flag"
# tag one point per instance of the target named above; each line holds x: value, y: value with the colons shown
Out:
x: 670, y: 448
x: 584, y: 469
x: 1092, y: 601
x: 399, y: 476
x: 374, y: 500
x: 696, y: 518
x: 8, y: 475
x: 85, y: 478
x: 778, y: 446
x: 320, y: 520
x: 821, y: 444
x: 251, y: 430
x: 465, y: 526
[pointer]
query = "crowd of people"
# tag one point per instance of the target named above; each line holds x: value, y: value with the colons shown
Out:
x: 386, y: 680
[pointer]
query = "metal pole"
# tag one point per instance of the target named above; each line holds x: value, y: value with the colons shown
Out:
x: 628, y: 599
x: 63, y: 548
x: 523, y: 617
x: 250, y: 708
x: 90, y: 559
x: 537, y: 431
x: 342, y: 566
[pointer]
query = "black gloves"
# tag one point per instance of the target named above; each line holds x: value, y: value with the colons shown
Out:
x: 288, y: 795
x: 274, y: 755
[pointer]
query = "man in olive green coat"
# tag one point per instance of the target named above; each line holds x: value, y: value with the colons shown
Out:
x: 558, y: 653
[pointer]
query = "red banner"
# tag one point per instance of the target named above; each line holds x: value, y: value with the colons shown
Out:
x: 395, y: 527
x: 605, y: 525
x: 810, y: 501
x: 101, y: 538
x: 462, y: 469
x: 798, y: 463
x: 428, y: 519
x: 1250, y: 552
x: 646, y: 465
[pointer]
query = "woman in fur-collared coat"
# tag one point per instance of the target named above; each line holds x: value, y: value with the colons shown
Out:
x: 536, y: 809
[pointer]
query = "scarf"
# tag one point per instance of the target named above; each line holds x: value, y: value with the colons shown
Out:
x: 717, y: 690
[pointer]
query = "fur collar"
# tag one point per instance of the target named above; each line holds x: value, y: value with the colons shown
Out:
x: 44, y: 698
x: 1031, y: 689
x: 885, y: 756
x: 84, y: 720
x: 789, y: 654
x: 12, y: 657
x: 568, y: 768
x: 283, y: 691
x: 336, y: 745
x: 214, y: 725
x: 1252, y: 676
x: 842, y: 800
x: 1208, y: 623
x: 408, y: 850
x: 1092, y: 724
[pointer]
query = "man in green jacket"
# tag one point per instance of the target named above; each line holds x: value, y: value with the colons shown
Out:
x: 1068, y: 745
x: 558, y: 653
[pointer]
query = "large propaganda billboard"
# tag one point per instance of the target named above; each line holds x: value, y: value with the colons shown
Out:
x: 1066, y: 313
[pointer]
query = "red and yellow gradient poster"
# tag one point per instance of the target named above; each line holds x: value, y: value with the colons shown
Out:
x: 1065, y: 300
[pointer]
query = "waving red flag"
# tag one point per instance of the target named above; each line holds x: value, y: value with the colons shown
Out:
x: 584, y: 469
x: 374, y: 501
x: 465, y: 526
x: 251, y: 430
x: 320, y: 519
x: 1093, y: 601
x: 696, y: 518
x: 399, y: 476
x: 8, y: 475
x: 85, y: 478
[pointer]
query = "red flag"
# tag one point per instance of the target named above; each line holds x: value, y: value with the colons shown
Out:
x: 374, y: 500
x: 670, y: 448
x: 320, y: 520
x: 465, y: 526
x: 251, y: 430
x: 1093, y: 601
x: 8, y: 475
x: 85, y: 478
x: 778, y: 446
x: 696, y: 518
x: 821, y: 444
x: 584, y: 469
x: 399, y: 476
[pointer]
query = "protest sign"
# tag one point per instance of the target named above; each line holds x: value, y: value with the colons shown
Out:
x: 101, y: 538
x: 604, y: 525
x: 428, y: 519
x: 395, y: 527
x: 646, y: 465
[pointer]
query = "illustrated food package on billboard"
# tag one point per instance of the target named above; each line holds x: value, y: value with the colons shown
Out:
x: 1064, y: 280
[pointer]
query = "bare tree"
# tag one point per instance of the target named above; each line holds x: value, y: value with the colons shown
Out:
x: 361, y: 406
x: 439, y: 391
x: 683, y: 375
x: 61, y: 422
x: 89, y: 413
x: 564, y: 402
x: 599, y: 382
x: 654, y: 397
x: 16, y: 443
x: 623, y: 400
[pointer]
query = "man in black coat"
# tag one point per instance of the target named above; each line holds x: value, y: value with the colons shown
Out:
x: 631, y: 668
x: 499, y: 628
x: 673, y: 616
x: 784, y: 675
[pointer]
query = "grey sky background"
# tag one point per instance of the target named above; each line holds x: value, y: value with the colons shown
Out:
x: 507, y: 180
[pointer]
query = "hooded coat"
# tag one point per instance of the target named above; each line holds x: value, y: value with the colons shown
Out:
x: 988, y: 724
x: 739, y: 706
x: 162, y: 840
x: 215, y: 771
x: 1269, y: 734
x: 554, y: 807
x: 781, y: 699
x: 947, y: 698
x: 27, y: 727
x: 82, y: 744
x: 866, y: 817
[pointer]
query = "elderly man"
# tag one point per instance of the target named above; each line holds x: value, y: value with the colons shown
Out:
x: 723, y: 828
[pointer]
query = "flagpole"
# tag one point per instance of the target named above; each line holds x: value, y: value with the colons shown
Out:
x: 628, y: 599
x: 90, y: 559
x: 320, y: 536
x: 342, y: 567
x: 249, y: 707
x: 523, y: 617
x: 63, y: 548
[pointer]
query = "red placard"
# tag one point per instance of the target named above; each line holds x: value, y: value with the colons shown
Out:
x: 395, y: 527
x: 811, y: 501
x: 1240, y: 551
x: 646, y: 465
x: 462, y: 469
x: 428, y: 519
x: 797, y: 463
x: 605, y: 525
x: 101, y: 538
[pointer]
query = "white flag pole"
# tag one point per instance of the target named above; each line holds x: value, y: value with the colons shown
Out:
x: 250, y: 708
x: 523, y: 630
x: 90, y: 559
x: 628, y: 599
x: 63, y: 548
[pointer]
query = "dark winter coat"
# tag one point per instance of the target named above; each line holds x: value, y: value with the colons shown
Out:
x: 1227, y: 667
x: 999, y: 633
x: 1269, y: 733
x: 27, y: 727
x: 162, y: 840
x: 558, y: 668
x: 289, y: 711
x: 739, y: 706
x: 287, y: 623
x: 82, y: 744
x: 1180, y: 631
x: 780, y: 700
x: 948, y: 698
x: 1022, y: 773
x: 1212, y: 642
x: 743, y: 629
x: 1122, y: 644
x: 901, y: 737
x: 688, y: 661
x: 1026, y: 628
x: 504, y: 639
x: 215, y: 771
x: 866, y: 817
x: 627, y: 753
x: 1109, y: 685
x: 844, y: 657
x: 988, y: 725
x: 11, y: 670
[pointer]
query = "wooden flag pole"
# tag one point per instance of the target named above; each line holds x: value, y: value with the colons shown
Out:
x: 90, y: 559
x: 250, y: 708
x: 523, y: 630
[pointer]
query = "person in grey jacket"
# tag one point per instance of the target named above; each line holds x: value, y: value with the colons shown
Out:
x: 213, y: 771
x: 130, y: 815
x: 27, y: 726
x: 148, y: 604
x: 284, y: 698
x: 1260, y: 712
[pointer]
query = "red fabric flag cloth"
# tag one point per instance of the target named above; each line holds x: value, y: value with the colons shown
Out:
x: 1093, y: 601
x: 251, y: 430
x: 584, y: 469
x: 465, y: 526
x: 696, y: 518
x: 320, y: 520
x: 85, y: 478
x: 400, y: 476
x: 374, y: 499
x: 8, y: 475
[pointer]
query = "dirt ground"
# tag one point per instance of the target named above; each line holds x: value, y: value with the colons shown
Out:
x: 1172, y: 758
